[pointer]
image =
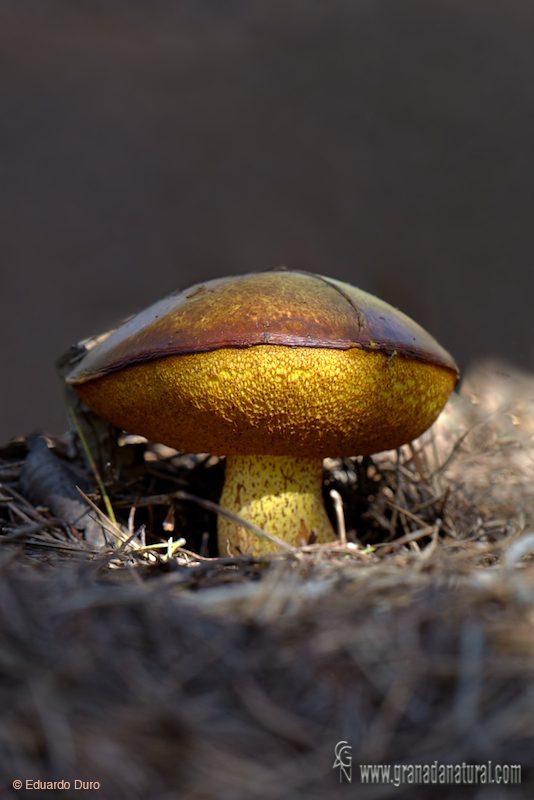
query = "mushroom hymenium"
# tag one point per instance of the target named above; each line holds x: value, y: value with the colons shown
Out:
x: 275, y: 371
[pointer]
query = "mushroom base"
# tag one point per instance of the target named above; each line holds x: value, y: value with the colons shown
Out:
x: 281, y: 494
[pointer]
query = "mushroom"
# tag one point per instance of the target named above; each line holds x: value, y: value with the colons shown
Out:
x: 275, y: 371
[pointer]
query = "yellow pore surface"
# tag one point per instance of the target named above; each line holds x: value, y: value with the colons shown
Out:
x: 274, y: 400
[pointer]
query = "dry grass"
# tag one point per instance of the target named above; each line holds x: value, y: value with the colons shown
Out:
x: 162, y: 673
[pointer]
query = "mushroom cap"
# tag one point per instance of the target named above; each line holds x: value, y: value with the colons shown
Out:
x: 273, y: 363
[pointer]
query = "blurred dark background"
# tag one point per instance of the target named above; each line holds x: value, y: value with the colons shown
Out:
x: 147, y: 146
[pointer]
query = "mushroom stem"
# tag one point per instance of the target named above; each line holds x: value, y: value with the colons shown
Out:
x: 281, y: 494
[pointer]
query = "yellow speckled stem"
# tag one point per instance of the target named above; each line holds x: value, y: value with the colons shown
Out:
x: 281, y: 494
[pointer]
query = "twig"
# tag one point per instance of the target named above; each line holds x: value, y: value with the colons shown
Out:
x: 92, y: 464
x: 109, y: 524
x: 405, y: 512
x: 340, y: 517
x: 428, y: 530
x: 223, y: 512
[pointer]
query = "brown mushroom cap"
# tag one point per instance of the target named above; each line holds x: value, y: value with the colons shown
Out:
x: 274, y: 363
